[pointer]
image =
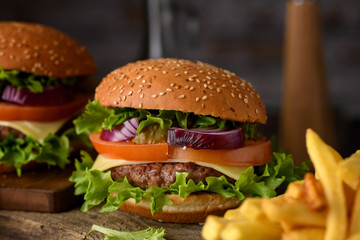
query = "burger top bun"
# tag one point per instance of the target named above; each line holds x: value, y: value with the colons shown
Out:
x: 42, y: 50
x: 183, y: 85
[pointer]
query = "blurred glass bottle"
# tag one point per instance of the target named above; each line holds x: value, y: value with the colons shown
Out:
x: 305, y: 102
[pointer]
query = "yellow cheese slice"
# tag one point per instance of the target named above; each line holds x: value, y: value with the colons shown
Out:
x: 103, y: 163
x: 37, y: 130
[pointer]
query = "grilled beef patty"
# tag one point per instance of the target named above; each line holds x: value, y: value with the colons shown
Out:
x: 162, y: 174
x: 5, y: 130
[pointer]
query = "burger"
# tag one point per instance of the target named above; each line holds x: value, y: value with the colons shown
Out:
x: 177, y: 140
x: 40, y: 70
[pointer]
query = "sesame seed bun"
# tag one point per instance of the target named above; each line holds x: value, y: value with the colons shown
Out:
x: 193, y: 209
x: 42, y: 50
x: 183, y: 85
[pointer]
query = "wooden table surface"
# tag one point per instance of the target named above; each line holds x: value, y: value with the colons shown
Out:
x: 74, y: 224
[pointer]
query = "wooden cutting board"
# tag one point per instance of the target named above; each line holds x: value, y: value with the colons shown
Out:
x: 41, y: 190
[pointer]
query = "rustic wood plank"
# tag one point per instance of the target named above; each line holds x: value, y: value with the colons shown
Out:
x: 74, y: 224
x: 41, y: 190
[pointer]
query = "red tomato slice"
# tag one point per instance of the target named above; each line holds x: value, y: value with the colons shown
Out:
x: 15, y: 112
x: 130, y: 151
x: 253, y: 154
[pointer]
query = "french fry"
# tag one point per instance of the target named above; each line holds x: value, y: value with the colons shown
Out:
x: 325, y: 160
x: 355, y: 215
x: 292, y: 213
x: 294, y: 190
x: 234, y: 214
x: 305, y: 234
x: 213, y: 227
x: 313, y: 193
x: 251, y: 230
x: 354, y: 237
x: 251, y: 209
x: 349, y: 170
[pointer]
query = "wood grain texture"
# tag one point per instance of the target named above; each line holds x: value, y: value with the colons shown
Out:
x: 74, y: 224
x: 41, y: 190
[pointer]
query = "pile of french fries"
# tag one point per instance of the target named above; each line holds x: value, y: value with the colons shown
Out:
x: 324, y: 206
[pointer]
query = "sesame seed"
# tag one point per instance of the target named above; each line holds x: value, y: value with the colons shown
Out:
x: 130, y: 93
x: 205, y: 85
x: 141, y: 85
x: 143, y: 81
x: 164, y: 72
x: 142, y: 96
x: 116, y: 102
x: 154, y: 95
x: 162, y: 93
x: 139, y: 91
x: 187, y: 87
x: 210, y: 87
x: 218, y: 90
x: 186, y: 72
x: 256, y: 111
x: 204, y: 97
x: 140, y: 105
x: 246, y: 100
x: 197, y: 99
x: 121, y: 91
x: 177, y: 74
x: 124, y: 98
x: 232, y: 94
x: 208, y: 77
x: 181, y: 96
x: 240, y: 95
x: 169, y: 89
x: 114, y: 88
x: 197, y: 80
x: 191, y: 79
x: 172, y: 84
x: 122, y: 86
x: 192, y: 88
x: 224, y: 85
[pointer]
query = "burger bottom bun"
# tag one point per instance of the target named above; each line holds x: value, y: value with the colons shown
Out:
x: 193, y: 209
x: 29, y: 166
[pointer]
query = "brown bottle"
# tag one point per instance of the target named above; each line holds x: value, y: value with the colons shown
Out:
x: 305, y: 102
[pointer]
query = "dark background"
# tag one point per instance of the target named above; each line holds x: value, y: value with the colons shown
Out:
x: 245, y: 37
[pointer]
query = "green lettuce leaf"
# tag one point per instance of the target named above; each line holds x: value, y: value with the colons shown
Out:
x: 54, y: 151
x: 97, y: 117
x: 263, y: 181
x: 147, y: 234
x: 33, y: 82
x: 92, y: 118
